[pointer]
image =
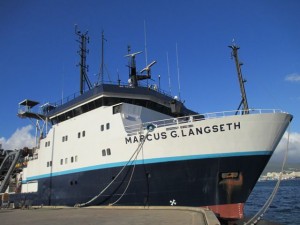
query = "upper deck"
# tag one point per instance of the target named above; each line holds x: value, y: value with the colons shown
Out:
x: 110, y: 94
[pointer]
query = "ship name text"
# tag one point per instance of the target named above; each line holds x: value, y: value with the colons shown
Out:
x: 187, y: 132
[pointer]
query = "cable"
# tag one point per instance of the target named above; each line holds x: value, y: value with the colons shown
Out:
x: 127, y: 184
x: 259, y: 215
x: 136, y: 153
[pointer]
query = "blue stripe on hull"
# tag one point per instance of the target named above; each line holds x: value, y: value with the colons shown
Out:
x: 148, y: 161
x: 196, y: 182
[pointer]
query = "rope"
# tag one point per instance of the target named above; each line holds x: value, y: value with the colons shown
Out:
x: 127, y: 184
x: 134, y: 155
x: 259, y: 215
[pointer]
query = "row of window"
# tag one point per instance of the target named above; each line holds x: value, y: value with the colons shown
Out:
x: 82, y: 134
x: 109, y: 101
x: 65, y: 138
x: 72, y: 159
x: 79, y: 135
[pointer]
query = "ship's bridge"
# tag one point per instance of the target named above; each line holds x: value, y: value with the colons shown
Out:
x: 110, y: 94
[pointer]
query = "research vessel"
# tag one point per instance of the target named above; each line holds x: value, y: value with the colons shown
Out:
x: 132, y: 144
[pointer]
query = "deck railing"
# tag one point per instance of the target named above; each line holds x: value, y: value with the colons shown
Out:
x: 132, y: 129
x: 121, y: 84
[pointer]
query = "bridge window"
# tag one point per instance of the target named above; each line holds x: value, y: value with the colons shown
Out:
x: 109, y: 101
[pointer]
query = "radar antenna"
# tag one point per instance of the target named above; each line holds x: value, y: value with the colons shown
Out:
x: 132, y: 66
x: 133, y: 76
x: 132, y: 55
x: 147, y: 68
x: 238, y: 64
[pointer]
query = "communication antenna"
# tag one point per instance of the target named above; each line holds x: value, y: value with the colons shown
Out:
x: 178, y: 77
x: 128, y: 52
x: 145, y: 36
x: 169, y: 76
x: 158, y: 82
x: 238, y: 64
x: 83, y: 39
x: 62, y: 85
x: 101, y: 72
x: 119, y: 81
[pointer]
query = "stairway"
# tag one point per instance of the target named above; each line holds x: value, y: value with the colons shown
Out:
x: 10, y: 162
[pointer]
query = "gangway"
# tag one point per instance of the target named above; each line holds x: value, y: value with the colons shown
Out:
x: 12, y: 164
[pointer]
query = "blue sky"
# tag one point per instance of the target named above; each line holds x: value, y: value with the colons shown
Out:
x: 38, y: 50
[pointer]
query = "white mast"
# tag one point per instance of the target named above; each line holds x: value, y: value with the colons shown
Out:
x: 145, y: 36
x: 169, y: 76
x: 178, y: 77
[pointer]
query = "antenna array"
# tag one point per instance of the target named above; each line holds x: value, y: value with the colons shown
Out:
x: 83, y: 39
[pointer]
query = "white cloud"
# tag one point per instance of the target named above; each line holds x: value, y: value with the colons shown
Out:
x: 293, y: 77
x: 20, y: 139
x: 290, y: 142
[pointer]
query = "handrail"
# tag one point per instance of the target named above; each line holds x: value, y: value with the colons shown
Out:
x: 131, y: 129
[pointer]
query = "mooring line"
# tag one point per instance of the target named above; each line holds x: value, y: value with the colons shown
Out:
x: 259, y: 215
x: 134, y: 157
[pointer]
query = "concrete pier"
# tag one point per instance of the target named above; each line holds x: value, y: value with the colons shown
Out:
x: 109, y: 215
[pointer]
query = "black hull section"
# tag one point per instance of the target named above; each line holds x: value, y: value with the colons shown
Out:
x: 201, y: 182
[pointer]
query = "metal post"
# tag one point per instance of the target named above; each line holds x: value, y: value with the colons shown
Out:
x: 240, y: 77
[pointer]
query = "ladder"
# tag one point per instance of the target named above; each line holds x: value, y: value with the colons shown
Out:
x: 12, y: 164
